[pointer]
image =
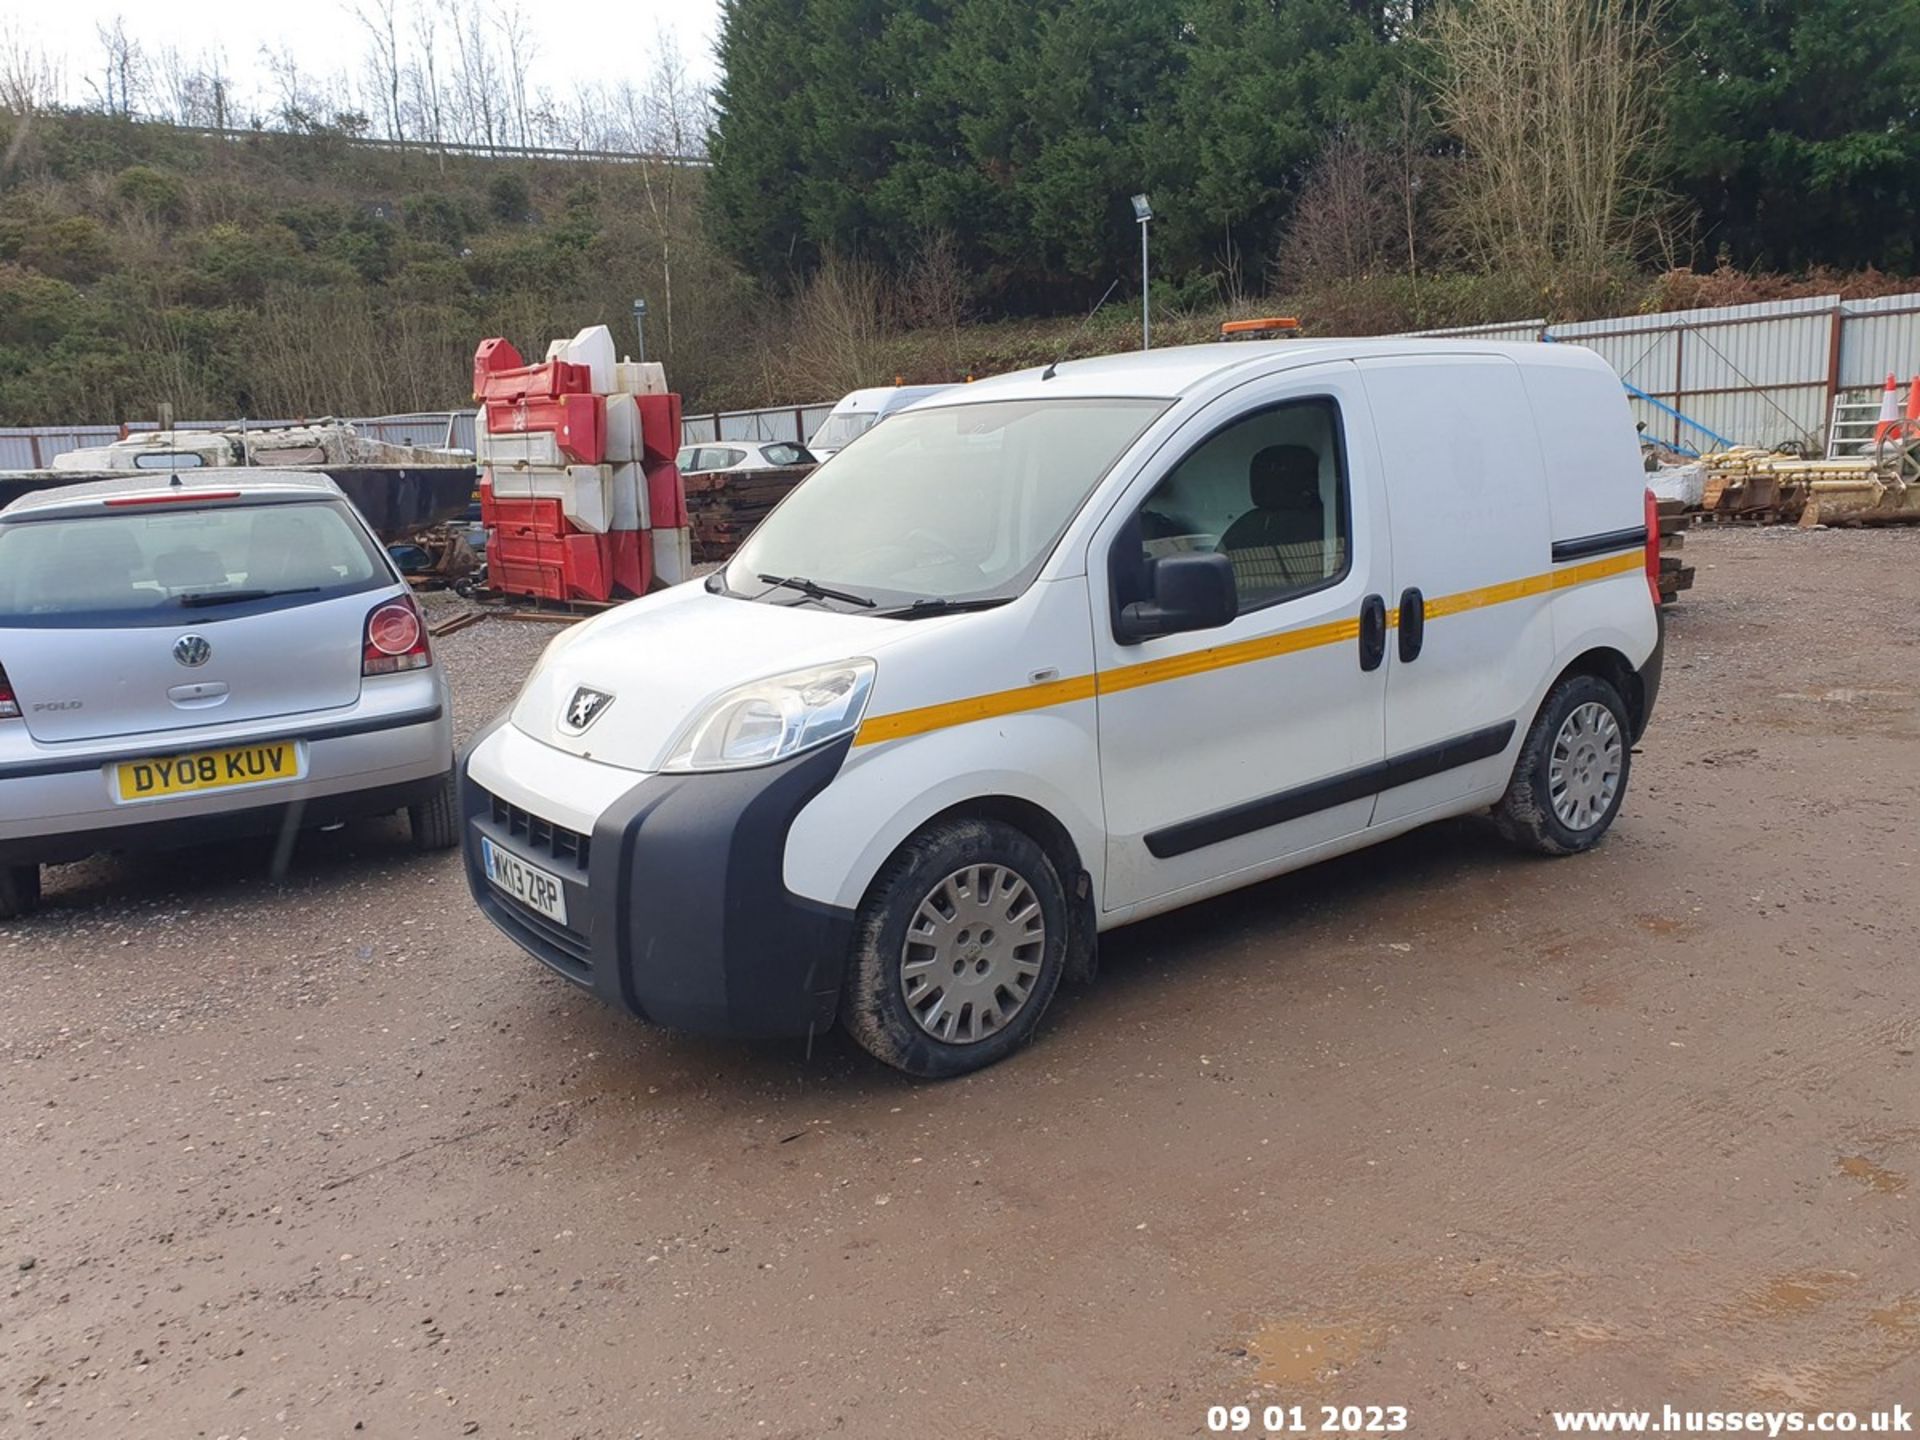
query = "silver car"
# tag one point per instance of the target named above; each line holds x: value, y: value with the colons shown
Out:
x: 188, y: 658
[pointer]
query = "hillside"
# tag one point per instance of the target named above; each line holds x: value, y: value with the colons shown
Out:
x: 299, y: 274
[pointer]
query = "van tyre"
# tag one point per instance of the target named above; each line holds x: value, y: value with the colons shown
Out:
x: 435, y: 821
x: 19, y: 890
x: 957, y: 949
x: 1572, y: 772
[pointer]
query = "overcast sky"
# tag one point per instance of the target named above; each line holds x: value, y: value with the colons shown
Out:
x: 590, y: 40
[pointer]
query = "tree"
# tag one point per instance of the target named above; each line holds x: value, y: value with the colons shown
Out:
x: 1557, y: 105
x: 123, y: 71
x: 1793, y: 128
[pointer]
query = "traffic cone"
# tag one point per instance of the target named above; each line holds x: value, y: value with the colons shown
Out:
x: 1913, y: 399
x: 1889, y: 409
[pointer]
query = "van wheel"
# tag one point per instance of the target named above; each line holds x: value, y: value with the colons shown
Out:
x: 1572, y: 773
x: 435, y: 821
x: 957, y: 949
x: 19, y: 890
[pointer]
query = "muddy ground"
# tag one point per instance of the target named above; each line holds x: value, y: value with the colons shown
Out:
x: 1433, y: 1126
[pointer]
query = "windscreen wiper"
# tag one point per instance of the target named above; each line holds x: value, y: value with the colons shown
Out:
x: 200, y: 599
x: 815, y: 592
x: 940, y: 605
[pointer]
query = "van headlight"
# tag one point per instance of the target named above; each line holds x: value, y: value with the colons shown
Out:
x: 769, y: 720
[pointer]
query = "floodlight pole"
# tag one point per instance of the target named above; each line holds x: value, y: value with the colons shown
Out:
x: 1146, y: 323
x: 640, y: 326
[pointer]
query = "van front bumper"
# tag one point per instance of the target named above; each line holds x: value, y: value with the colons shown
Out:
x: 677, y: 909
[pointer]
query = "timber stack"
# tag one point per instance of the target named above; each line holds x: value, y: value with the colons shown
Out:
x: 724, y: 506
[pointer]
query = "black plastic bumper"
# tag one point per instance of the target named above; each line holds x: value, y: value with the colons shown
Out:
x: 677, y: 910
x: 1649, y: 676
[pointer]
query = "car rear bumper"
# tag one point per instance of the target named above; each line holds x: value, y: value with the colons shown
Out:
x: 63, y: 807
x: 677, y: 912
x: 1649, y: 676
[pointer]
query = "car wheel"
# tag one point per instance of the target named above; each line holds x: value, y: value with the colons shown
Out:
x: 435, y: 821
x: 19, y: 890
x: 957, y: 949
x: 1572, y: 773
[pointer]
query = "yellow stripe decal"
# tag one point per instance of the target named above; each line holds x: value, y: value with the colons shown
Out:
x: 903, y: 723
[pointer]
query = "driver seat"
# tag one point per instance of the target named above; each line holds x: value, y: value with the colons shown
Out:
x: 1280, y: 544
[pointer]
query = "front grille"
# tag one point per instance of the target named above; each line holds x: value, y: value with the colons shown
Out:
x: 568, y: 849
x: 568, y: 852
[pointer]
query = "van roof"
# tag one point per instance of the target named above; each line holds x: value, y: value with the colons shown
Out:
x: 875, y: 397
x: 1178, y: 370
x: 245, y: 484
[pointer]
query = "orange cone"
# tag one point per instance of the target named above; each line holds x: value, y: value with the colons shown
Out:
x: 1913, y: 399
x: 1889, y: 409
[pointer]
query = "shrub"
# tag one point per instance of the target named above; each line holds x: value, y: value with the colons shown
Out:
x: 72, y: 247
x: 145, y: 191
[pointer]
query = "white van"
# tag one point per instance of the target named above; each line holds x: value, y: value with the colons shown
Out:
x: 858, y: 411
x: 1069, y: 648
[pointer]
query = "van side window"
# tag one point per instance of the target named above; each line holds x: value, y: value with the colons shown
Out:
x: 1269, y: 492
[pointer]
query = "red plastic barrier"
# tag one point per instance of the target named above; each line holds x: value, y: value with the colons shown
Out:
x: 556, y: 567
x: 632, y: 560
x: 493, y: 355
x: 659, y: 428
x: 666, y: 497
x: 522, y: 516
x: 545, y: 381
x: 578, y: 422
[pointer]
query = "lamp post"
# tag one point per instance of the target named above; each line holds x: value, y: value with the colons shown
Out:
x: 1143, y: 213
x: 640, y: 325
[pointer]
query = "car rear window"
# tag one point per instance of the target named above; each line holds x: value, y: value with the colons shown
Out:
x: 150, y: 566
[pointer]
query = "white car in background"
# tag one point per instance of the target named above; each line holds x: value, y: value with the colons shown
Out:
x: 728, y: 456
x: 182, y: 660
x: 858, y: 411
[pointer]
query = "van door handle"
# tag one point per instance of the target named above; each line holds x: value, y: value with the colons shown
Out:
x: 1413, y: 624
x: 1373, y: 632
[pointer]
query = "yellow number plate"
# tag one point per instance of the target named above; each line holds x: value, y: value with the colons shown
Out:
x: 207, y: 770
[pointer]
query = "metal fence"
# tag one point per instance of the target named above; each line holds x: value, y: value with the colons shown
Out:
x: 33, y: 447
x: 1766, y: 374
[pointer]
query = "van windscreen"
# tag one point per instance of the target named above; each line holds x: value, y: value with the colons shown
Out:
x: 952, y: 503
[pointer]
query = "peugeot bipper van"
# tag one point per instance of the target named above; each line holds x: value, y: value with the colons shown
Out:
x: 1073, y: 647
x: 858, y: 411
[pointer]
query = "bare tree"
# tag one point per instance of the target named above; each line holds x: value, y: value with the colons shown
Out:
x: 476, y: 81
x: 1345, y: 224
x: 123, y: 78
x: 521, y: 45
x: 193, y: 91
x: 381, y: 21
x: 1556, y: 105
x: 423, y: 77
x: 30, y: 78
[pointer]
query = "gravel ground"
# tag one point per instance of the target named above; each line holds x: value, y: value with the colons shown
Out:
x: 1432, y: 1126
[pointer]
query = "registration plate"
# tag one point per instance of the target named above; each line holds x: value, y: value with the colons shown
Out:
x: 539, y: 890
x: 199, y: 770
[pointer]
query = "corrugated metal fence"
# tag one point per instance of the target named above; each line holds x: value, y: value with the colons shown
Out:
x: 33, y: 447
x: 1765, y: 374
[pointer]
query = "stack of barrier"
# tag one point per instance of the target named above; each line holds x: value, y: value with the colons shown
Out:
x: 578, y: 487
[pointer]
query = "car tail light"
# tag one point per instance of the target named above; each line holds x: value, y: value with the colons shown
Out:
x: 395, y: 639
x: 1653, y: 548
x: 9, y: 702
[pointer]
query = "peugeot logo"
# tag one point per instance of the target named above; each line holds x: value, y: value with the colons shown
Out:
x: 191, y: 650
x: 585, y: 707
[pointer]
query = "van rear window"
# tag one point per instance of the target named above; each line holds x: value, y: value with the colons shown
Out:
x: 151, y: 566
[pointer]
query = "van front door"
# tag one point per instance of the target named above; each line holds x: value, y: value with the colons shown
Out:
x: 1228, y: 750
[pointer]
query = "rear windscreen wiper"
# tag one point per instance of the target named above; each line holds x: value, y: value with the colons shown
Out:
x: 200, y: 599
x: 939, y: 605
x: 815, y: 592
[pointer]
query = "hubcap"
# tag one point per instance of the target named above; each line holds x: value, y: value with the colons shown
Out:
x: 973, y: 953
x: 1583, y: 774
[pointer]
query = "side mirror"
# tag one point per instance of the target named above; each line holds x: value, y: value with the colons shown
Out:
x: 1193, y: 590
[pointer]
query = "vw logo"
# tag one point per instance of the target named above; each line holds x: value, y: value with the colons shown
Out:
x: 192, y: 650
x: 584, y: 708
